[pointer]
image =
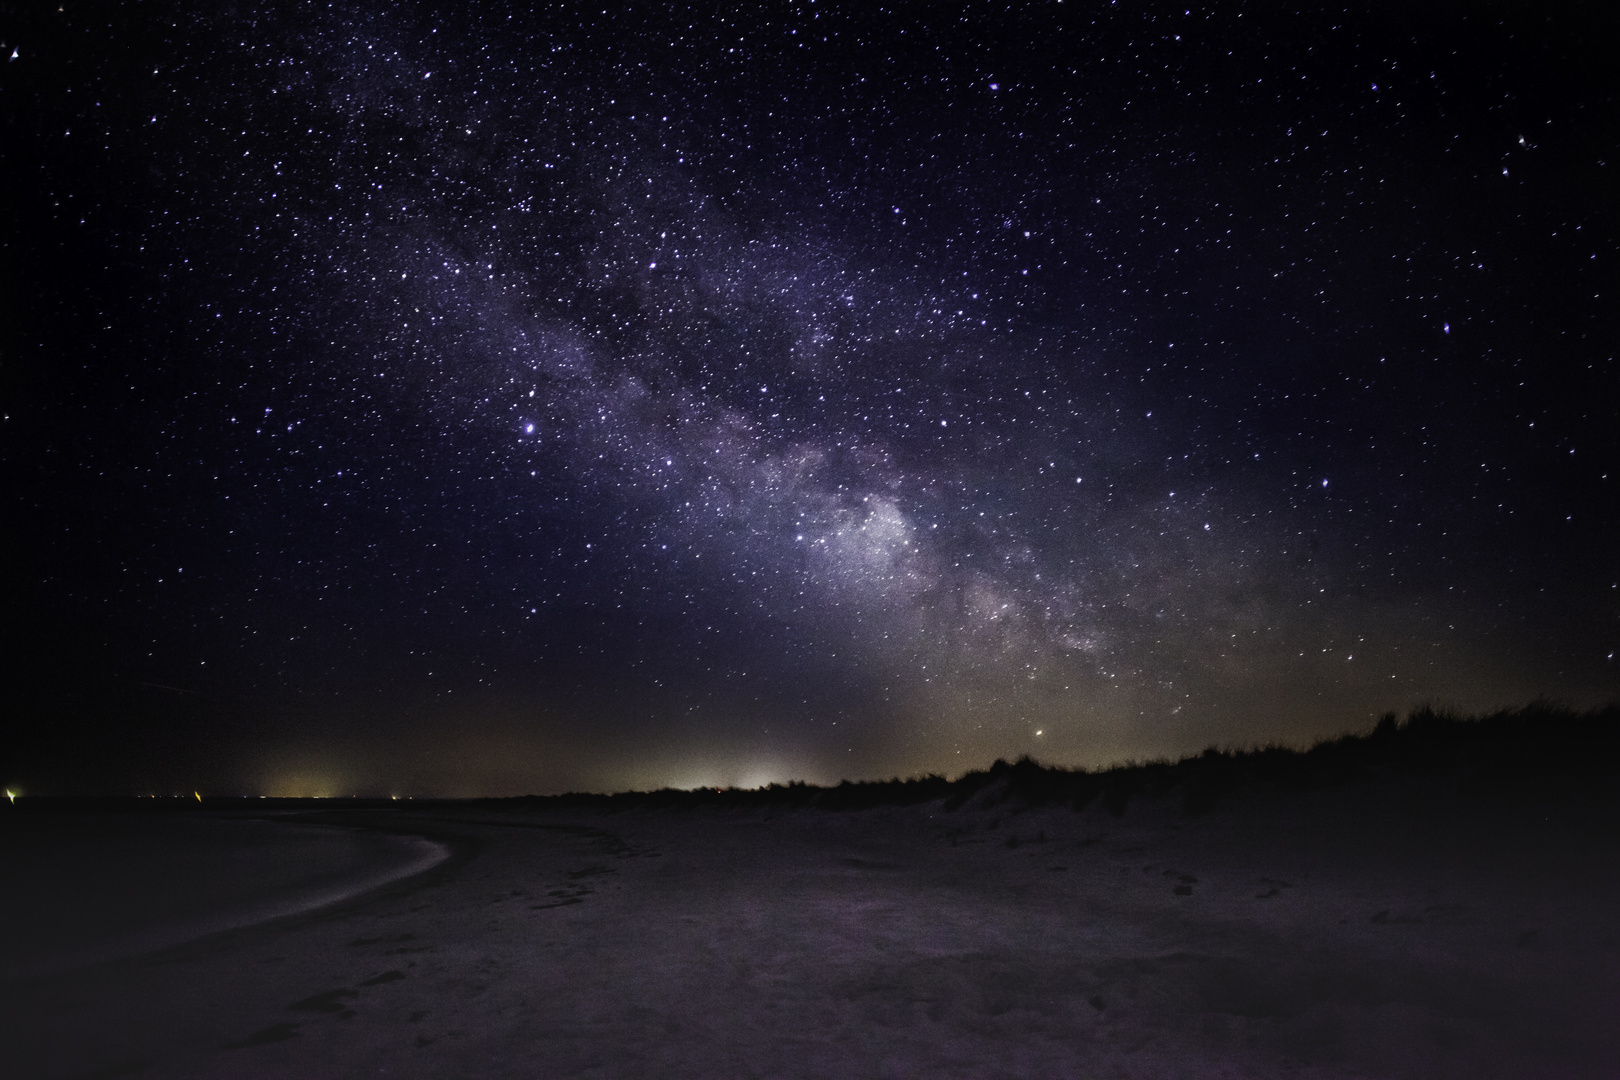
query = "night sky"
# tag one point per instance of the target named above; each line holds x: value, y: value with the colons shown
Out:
x: 411, y: 400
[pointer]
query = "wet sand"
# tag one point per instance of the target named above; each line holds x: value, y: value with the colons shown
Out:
x: 1345, y: 933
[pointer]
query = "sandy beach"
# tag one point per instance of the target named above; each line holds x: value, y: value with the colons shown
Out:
x: 1329, y: 934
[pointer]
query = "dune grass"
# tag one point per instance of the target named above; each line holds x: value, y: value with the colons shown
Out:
x: 1533, y: 752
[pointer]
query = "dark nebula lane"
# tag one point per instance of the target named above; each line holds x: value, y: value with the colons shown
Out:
x: 407, y: 399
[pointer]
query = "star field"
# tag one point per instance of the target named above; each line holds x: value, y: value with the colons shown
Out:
x: 439, y: 401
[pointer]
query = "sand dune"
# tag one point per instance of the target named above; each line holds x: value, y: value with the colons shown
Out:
x: 1394, y: 931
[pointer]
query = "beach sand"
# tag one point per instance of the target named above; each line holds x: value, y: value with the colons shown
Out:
x: 1344, y: 933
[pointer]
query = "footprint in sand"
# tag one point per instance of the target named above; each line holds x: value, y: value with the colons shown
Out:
x: 358, y: 943
x: 1187, y: 882
x: 1531, y: 939
x: 1273, y: 888
x: 572, y: 894
x: 264, y: 1036
x: 332, y: 1001
x: 385, y: 977
x: 565, y: 902
x: 1384, y: 918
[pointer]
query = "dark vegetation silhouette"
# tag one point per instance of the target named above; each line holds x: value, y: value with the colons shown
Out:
x: 1533, y: 753
x: 1538, y: 753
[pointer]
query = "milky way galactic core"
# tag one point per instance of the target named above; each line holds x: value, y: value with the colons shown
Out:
x: 447, y: 402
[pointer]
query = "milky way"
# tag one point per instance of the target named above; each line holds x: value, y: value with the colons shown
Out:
x: 427, y: 401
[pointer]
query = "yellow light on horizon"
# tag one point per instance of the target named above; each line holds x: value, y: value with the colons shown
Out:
x: 199, y: 796
x: 12, y: 795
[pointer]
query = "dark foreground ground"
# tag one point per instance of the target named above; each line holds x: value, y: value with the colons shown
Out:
x: 1406, y: 924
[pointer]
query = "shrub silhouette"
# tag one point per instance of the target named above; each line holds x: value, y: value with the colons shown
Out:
x: 1533, y: 752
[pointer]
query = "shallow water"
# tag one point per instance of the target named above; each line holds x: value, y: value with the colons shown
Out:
x: 81, y: 888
